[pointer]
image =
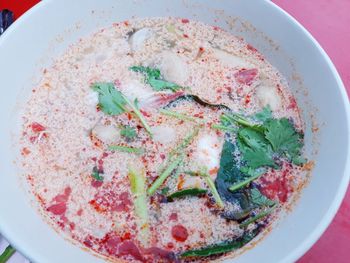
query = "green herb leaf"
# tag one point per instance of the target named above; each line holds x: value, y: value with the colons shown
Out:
x: 159, y: 85
x: 284, y: 138
x: 229, y: 174
x: 126, y: 149
x: 263, y: 115
x: 154, y: 78
x: 165, y: 190
x: 128, y: 132
x: 139, y: 115
x: 96, y: 174
x: 259, y: 199
x: 257, y: 217
x: 220, y: 248
x: 187, y: 192
x: 138, y: 188
x: 111, y: 101
x: 7, y: 254
x: 253, y: 175
x: 255, y: 149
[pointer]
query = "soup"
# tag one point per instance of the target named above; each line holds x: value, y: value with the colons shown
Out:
x: 162, y: 140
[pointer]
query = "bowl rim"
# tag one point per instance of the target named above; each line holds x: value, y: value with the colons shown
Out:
x: 327, y: 218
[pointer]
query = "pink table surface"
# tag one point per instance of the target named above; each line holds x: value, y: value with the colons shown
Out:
x: 329, y: 22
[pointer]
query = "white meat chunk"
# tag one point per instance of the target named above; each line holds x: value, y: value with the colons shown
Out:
x: 268, y: 95
x: 174, y: 68
x: 164, y: 134
x: 137, y: 39
x: 106, y: 133
x: 230, y: 60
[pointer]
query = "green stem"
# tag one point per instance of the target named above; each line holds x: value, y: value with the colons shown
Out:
x: 179, y: 116
x: 160, y: 180
x: 7, y: 254
x: 223, y: 128
x: 126, y: 149
x: 214, y: 191
x: 187, y: 192
x: 244, y: 183
x: 139, y: 115
x: 257, y: 217
x: 186, y: 142
x: 138, y: 188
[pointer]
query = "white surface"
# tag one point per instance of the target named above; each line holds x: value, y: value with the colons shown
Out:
x: 32, y: 41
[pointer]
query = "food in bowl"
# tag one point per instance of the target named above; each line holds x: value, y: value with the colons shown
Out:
x: 162, y: 140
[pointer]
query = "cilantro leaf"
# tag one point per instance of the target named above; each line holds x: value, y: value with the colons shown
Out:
x: 284, y: 138
x: 111, y: 101
x: 128, y: 132
x: 255, y: 149
x: 154, y: 78
x: 264, y: 115
x: 259, y: 199
x: 96, y: 174
x: 159, y: 85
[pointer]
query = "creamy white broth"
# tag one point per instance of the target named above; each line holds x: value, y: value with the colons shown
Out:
x: 66, y: 137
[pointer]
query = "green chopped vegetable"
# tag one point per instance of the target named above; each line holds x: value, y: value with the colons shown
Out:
x: 96, y: 174
x: 165, y: 190
x: 210, y: 184
x: 128, y: 132
x: 261, y: 143
x: 7, y: 254
x: 254, y: 174
x: 113, y: 102
x: 220, y: 248
x: 154, y: 78
x: 223, y: 128
x: 179, y: 116
x: 284, y: 138
x: 259, y: 216
x: 126, y: 149
x: 264, y: 115
x: 237, y: 119
x: 214, y: 191
x: 138, y: 188
x: 164, y: 175
x: 255, y: 149
x: 185, y: 143
x: 137, y: 112
x: 159, y: 85
x: 187, y: 192
x: 259, y: 199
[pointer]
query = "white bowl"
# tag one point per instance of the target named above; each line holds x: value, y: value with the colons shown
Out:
x: 47, y: 29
